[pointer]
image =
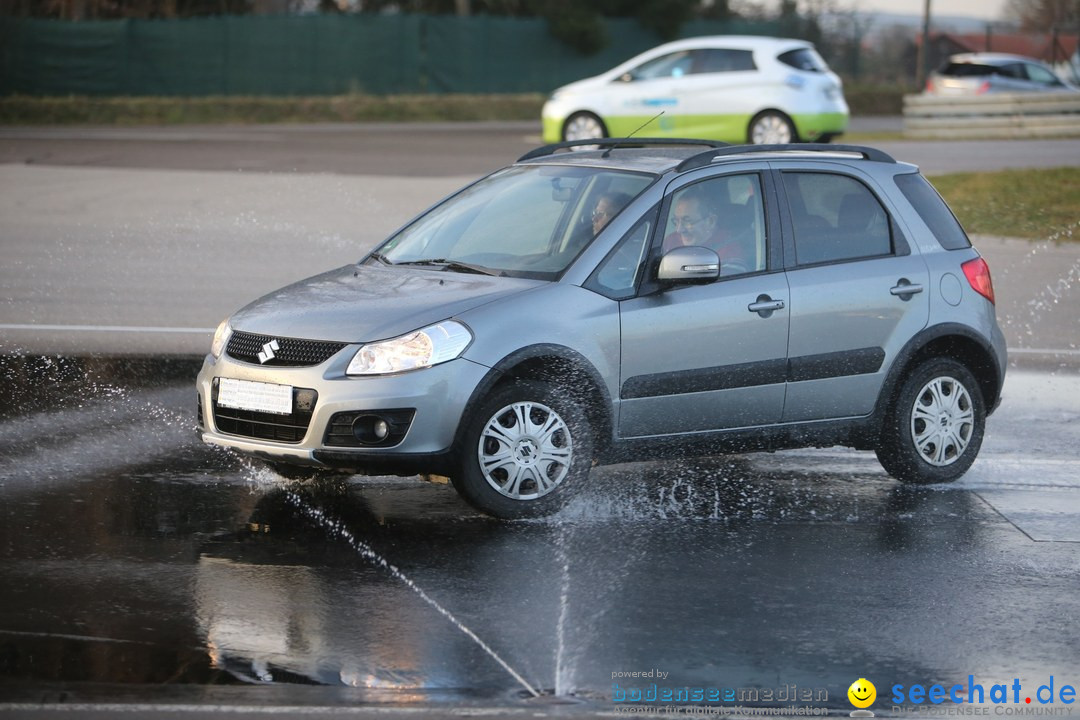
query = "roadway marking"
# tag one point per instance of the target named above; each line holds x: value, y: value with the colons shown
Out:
x: 105, y: 328
x: 1042, y: 351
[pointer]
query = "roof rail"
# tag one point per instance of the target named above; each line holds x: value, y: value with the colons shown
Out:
x: 704, y: 158
x: 611, y: 143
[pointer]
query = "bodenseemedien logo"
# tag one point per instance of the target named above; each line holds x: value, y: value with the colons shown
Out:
x: 862, y: 694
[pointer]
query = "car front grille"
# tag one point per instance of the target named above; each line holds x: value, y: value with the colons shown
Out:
x: 289, y: 352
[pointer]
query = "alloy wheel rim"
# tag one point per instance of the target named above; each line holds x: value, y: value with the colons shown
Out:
x: 525, y: 450
x: 584, y: 128
x: 942, y: 421
x: 771, y: 130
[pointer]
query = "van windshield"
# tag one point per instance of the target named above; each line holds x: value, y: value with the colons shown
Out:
x: 524, y: 221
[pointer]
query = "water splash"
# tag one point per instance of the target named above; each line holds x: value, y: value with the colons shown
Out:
x: 1026, y: 317
x: 337, y: 528
x: 564, y: 669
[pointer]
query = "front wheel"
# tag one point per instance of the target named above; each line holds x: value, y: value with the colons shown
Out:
x: 771, y: 127
x: 526, y: 449
x: 935, y: 426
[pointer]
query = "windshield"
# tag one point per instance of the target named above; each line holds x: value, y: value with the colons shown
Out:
x: 525, y: 221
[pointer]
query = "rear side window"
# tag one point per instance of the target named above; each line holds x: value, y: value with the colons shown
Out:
x: 835, y: 218
x: 933, y: 210
x: 803, y: 59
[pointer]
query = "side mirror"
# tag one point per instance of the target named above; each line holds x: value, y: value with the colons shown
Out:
x: 691, y: 264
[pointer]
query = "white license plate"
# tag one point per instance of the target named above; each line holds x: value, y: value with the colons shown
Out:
x: 256, y: 396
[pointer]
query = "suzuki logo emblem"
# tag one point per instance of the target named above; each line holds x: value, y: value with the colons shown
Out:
x: 269, y: 352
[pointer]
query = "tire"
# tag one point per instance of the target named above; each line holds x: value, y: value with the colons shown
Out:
x: 934, y: 428
x: 771, y: 127
x: 583, y: 126
x: 526, y: 449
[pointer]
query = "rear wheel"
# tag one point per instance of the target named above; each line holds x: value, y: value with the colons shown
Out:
x: 526, y: 449
x: 583, y: 126
x: 771, y: 127
x: 935, y: 426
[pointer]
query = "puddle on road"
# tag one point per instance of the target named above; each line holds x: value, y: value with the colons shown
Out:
x: 134, y: 554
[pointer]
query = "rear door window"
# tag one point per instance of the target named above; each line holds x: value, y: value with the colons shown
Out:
x: 717, y: 60
x: 835, y: 218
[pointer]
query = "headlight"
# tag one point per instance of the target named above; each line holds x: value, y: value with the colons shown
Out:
x: 221, y: 338
x: 430, y: 346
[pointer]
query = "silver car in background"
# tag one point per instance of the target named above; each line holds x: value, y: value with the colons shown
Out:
x: 988, y: 73
x: 650, y: 298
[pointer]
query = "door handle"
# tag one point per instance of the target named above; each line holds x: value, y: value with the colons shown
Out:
x: 765, y: 306
x: 904, y: 289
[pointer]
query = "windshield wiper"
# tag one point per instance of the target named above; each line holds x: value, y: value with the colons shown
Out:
x: 380, y: 257
x: 452, y: 265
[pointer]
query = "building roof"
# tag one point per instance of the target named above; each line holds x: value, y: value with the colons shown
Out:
x: 1041, y: 46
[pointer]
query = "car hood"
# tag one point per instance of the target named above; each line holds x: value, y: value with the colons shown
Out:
x: 359, y: 303
x: 588, y: 84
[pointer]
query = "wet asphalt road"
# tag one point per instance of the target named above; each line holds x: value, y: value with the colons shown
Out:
x: 421, y: 149
x: 141, y: 566
x: 140, y: 569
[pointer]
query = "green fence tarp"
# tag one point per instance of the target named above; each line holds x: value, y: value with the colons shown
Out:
x: 309, y: 55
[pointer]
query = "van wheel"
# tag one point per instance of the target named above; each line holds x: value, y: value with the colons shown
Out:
x: 527, y: 448
x: 771, y: 127
x: 935, y: 426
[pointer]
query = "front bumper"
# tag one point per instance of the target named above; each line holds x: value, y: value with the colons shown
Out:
x: 438, y: 396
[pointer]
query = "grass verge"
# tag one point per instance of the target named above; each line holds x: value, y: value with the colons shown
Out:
x: 1036, y: 204
x: 22, y: 110
x: 71, y: 110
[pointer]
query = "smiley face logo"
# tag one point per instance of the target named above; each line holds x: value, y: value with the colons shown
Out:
x: 862, y: 693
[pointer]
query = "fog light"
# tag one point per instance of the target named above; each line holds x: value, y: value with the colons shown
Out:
x: 370, y: 429
x: 381, y: 429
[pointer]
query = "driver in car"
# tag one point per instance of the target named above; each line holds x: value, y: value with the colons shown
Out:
x: 696, y: 223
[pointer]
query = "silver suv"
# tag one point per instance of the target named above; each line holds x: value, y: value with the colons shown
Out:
x: 646, y: 299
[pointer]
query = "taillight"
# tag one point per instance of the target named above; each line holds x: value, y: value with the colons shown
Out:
x: 977, y: 273
x: 983, y: 87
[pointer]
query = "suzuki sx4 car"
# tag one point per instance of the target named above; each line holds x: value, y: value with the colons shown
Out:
x: 649, y: 298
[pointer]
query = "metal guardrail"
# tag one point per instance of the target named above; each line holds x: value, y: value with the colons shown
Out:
x: 1004, y: 115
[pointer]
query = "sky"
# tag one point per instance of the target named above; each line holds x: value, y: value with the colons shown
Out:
x: 982, y: 9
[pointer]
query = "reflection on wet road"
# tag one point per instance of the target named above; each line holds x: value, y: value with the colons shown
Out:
x: 134, y: 557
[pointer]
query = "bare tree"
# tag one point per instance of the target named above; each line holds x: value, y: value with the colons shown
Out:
x: 1044, y: 15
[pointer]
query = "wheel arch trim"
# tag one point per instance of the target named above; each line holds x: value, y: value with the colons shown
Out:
x: 526, y: 362
x: 985, y: 369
